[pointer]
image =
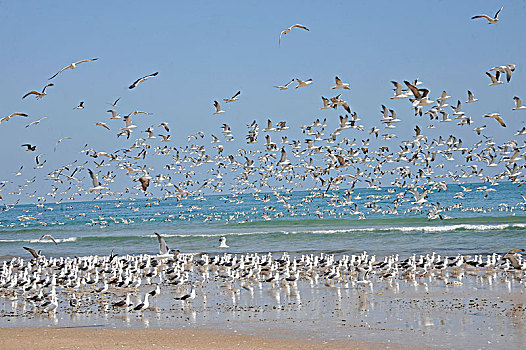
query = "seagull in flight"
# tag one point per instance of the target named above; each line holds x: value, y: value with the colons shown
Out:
x: 97, y: 186
x: 38, y: 94
x: 518, y: 104
x: 6, y: 118
x: 284, y: 87
x: 35, y: 122
x: 233, y: 98
x: 48, y: 236
x: 80, y: 106
x: 218, y: 108
x: 29, y: 147
x: 73, y: 66
x: 497, y: 117
x: 141, y: 80
x: 471, y: 97
x: 286, y: 31
x: 340, y: 84
x: 303, y: 83
x: 163, y: 248
x: 490, y: 20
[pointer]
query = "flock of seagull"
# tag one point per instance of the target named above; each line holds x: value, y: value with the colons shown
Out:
x: 326, y: 159
x: 109, y: 282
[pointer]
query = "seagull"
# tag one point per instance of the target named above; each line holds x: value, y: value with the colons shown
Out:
x: 340, y: 84
x: 471, y: 98
x: 6, y: 119
x: 284, y: 87
x: 80, y: 106
x: 286, y: 31
x: 144, y: 305
x: 143, y: 79
x: 48, y: 236
x: 38, y: 94
x: 494, y: 79
x: 490, y: 20
x: 145, y: 182
x: 508, y: 69
x: 73, y: 66
x: 60, y: 141
x: 518, y: 104
x: 283, y: 159
x: 163, y: 248
x: 495, y: 116
x: 104, y: 125
x: 33, y: 252
x: 114, y: 114
x: 97, y: 186
x: 187, y: 297
x: 222, y: 242
x: 218, y: 108
x: 233, y: 98
x: 35, y: 122
x: 29, y: 147
x: 302, y: 83
x: 165, y: 126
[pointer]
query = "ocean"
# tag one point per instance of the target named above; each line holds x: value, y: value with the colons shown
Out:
x: 474, y: 224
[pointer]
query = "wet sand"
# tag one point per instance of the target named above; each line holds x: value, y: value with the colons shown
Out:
x: 102, y: 338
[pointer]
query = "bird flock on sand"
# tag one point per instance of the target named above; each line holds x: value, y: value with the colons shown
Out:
x: 326, y: 160
x: 42, y: 285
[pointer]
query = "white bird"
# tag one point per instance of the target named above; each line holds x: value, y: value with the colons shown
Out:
x: 141, y: 80
x: 518, y: 104
x: 73, y: 66
x: 218, y: 108
x: 233, y: 98
x: 222, y: 242
x: 163, y: 248
x: 144, y: 305
x: 471, y: 98
x: 284, y: 87
x: 490, y: 20
x: 97, y: 186
x: 302, y: 83
x: 38, y: 94
x: 104, y: 125
x: 80, y: 106
x: 497, y: 117
x: 494, y: 79
x: 35, y: 122
x: 283, y: 159
x: 6, y: 118
x: 286, y: 31
x: 508, y: 69
x: 340, y: 84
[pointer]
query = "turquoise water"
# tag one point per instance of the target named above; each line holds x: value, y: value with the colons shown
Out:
x: 475, y: 225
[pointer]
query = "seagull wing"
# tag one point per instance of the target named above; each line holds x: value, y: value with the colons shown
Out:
x: 163, y: 248
x: 482, y: 16
x: 32, y: 251
x: 498, y: 12
x: 300, y: 26
x: 94, y: 178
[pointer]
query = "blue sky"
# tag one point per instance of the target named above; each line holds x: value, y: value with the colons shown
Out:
x: 206, y: 51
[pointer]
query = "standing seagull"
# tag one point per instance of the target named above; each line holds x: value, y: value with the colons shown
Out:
x: 490, y: 20
x: 286, y: 31
x: 39, y: 94
x: 141, y: 80
x: 72, y: 66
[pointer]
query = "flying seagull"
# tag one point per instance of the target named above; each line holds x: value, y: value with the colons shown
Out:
x: 6, y: 118
x: 497, y: 117
x: 303, y: 83
x: 29, y: 147
x: 518, y: 104
x: 38, y: 94
x: 35, y: 122
x: 233, y: 98
x: 284, y: 87
x: 218, y: 108
x: 141, y: 80
x: 340, y: 84
x: 48, y: 236
x: 72, y: 66
x: 97, y: 186
x: 286, y: 31
x: 163, y: 248
x: 490, y: 20
x: 33, y: 252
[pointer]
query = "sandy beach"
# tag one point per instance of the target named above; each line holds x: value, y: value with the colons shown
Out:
x: 102, y: 338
